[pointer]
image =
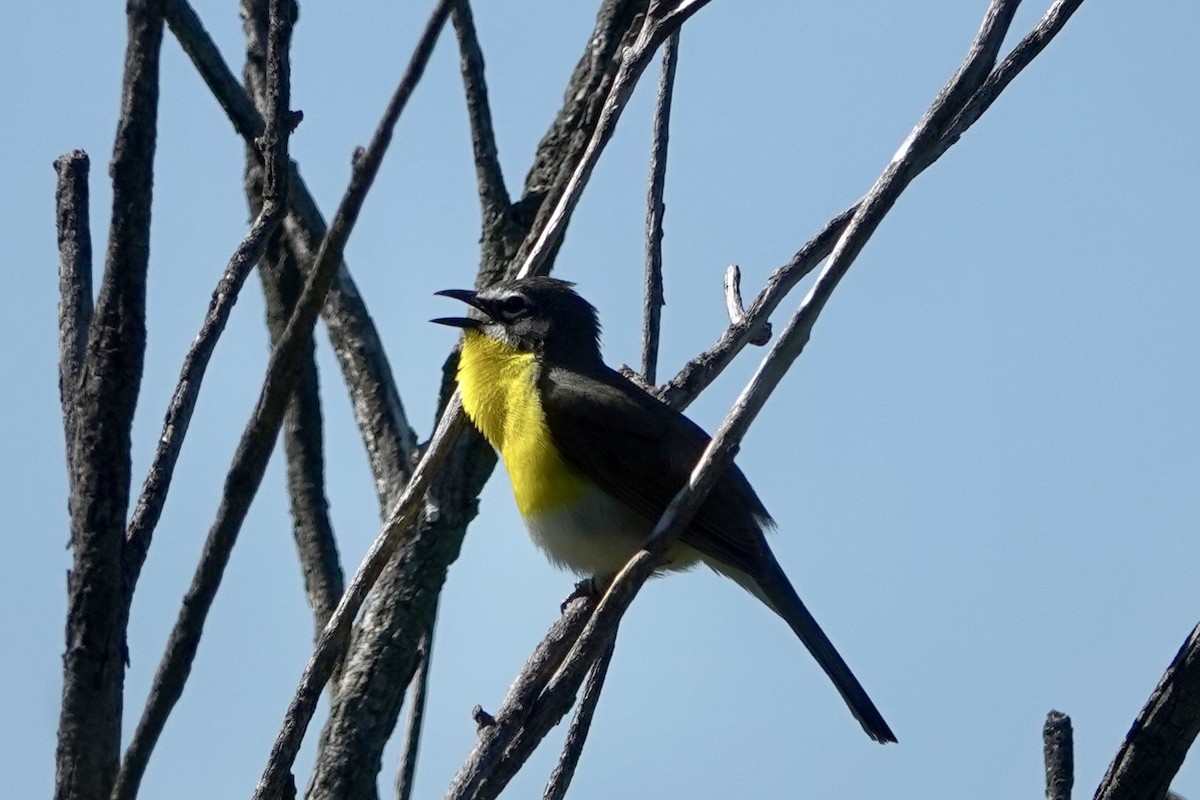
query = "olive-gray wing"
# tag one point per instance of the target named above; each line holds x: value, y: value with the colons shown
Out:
x: 642, y: 452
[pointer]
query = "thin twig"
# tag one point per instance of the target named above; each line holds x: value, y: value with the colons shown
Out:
x: 702, y: 370
x: 175, y: 666
x: 1058, y: 755
x: 653, y: 301
x: 1162, y: 734
x: 74, y: 282
x: 416, y: 719
x: 736, y: 310
x: 89, y: 731
x: 568, y: 760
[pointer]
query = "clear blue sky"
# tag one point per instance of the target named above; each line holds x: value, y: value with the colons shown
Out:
x: 984, y: 467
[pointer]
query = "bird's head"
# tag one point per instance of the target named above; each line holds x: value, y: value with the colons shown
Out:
x: 543, y: 316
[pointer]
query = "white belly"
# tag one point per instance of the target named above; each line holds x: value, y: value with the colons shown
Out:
x: 597, y: 535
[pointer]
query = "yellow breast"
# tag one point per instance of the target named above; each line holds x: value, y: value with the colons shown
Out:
x: 500, y: 396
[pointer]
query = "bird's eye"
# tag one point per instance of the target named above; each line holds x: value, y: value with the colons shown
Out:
x: 513, y: 306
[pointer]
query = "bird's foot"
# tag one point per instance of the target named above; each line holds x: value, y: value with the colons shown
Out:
x: 586, y: 589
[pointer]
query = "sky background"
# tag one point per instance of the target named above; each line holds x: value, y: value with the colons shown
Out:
x: 984, y: 466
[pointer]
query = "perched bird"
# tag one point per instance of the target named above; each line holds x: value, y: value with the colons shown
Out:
x: 594, y: 460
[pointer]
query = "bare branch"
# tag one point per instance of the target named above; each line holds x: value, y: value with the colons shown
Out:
x: 535, y: 254
x: 175, y: 666
x: 948, y: 127
x: 390, y: 441
x: 1058, y: 753
x: 1026, y: 50
x: 303, y: 435
x: 74, y: 283
x: 89, y: 731
x: 568, y: 760
x: 333, y: 639
x: 1162, y: 734
x: 254, y: 450
x: 653, y: 298
x: 493, y: 197
x: 183, y: 401
x: 416, y: 719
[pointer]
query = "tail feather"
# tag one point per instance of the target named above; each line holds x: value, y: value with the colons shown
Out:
x: 771, y: 585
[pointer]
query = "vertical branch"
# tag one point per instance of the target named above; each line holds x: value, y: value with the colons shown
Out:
x: 89, y: 731
x: 175, y: 666
x: 653, y: 300
x: 303, y: 433
x: 1058, y: 753
x: 568, y: 760
x: 74, y: 282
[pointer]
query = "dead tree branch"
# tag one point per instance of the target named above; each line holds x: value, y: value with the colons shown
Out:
x: 1058, y: 753
x: 181, y: 647
x: 1162, y: 734
x: 89, y: 731
x: 653, y: 301
x: 389, y: 439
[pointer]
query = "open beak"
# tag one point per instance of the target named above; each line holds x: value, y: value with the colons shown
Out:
x: 470, y: 298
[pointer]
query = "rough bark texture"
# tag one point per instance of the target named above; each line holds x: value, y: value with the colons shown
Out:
x: 89, y: 734
x: 1161, y: 735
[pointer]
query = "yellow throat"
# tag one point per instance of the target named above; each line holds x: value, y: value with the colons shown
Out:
x: 499, y: 394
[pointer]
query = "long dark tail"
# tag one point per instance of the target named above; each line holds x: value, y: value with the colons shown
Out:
x: 777, y: 591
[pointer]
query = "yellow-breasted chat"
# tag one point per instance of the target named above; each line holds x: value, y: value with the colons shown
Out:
x: 594, y: 460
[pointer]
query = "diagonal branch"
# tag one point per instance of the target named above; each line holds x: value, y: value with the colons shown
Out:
x: 659, y: 23
x: 1162, y: 734
x: 702, y: 370
x: 389, y: 439
x: 89, y: 730
x: 332, y: 642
